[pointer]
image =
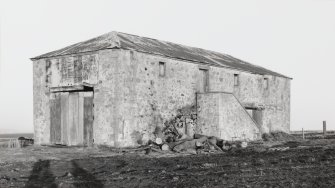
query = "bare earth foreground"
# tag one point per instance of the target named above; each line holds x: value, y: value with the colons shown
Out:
x: 268, y: 164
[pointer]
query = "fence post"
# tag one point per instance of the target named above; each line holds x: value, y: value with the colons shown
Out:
x: 324, y: 128
x: 303, y: 134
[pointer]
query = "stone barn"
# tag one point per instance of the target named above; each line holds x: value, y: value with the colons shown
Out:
x: 120, y: 89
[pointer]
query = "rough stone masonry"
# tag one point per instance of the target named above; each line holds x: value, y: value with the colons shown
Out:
x: 118, y: 89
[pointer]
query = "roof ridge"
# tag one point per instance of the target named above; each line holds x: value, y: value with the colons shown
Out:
x: 115, y: 39
x: 171, y: 42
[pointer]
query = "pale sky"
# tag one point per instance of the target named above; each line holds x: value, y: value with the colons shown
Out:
x: 292, y: 37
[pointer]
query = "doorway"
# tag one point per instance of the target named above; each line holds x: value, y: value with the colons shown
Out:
x: 71, y: 118
x: 256, y: 114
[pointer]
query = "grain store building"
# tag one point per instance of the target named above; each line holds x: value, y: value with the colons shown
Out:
x: 117, y: 89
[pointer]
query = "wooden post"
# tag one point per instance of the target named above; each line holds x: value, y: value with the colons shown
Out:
x: 303, y: 133
x: 324, y: 128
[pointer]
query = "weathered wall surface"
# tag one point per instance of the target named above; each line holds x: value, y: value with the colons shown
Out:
x: 58, y: 72
x: 107, y: 99
x: 221, y: 115
x: 41, y: 103
x: 275, y: 100
x: 252, y: 92
x: 72, y: 70
x: 132, y: 99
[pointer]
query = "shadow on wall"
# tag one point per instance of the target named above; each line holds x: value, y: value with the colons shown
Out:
x: 42, y: 176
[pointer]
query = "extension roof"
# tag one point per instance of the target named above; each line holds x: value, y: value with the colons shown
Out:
x: 157, y: 47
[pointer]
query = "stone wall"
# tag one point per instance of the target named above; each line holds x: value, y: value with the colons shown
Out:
x: 72, y: 70
x: 221, y: 115
x: 251, y: 92
x: 58, y: 72
x: 132, y: 100
x: 41, y: 103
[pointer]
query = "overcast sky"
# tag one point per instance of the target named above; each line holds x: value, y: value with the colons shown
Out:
x: 295, y: 38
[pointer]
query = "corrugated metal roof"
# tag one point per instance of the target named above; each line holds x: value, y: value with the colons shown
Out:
x: 158, y: 47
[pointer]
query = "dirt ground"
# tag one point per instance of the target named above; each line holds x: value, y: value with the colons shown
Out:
x: 269, y: 164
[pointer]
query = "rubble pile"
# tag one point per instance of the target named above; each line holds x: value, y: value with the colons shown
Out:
x: 181, y: 126
x: 196, y: 145
x: 178, y: 135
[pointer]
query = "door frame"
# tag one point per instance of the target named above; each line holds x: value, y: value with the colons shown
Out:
x: 71, y: 117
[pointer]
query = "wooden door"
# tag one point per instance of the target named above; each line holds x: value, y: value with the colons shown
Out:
x: 75, y: 127
x: 203, y: 81
x: 55, y: 119
x: 64, y: 117
x: 71, y: 118
x: 88, y: 118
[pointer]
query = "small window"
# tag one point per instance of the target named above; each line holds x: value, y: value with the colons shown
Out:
x: 236, y: 79
x: 161, y: 68
x: 266, y: 83
x: 203, y: 80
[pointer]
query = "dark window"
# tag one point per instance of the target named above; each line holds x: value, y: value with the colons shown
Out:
x: 203, y: 81
x: 161, y: 68
x: 256, y: 114
x: 236, y: 79
x: 266, y: 83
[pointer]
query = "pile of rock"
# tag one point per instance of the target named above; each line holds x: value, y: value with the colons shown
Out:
x: 178, y: 135
x: 181, y: 126
x: 197, y: 144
